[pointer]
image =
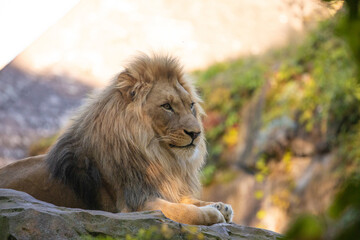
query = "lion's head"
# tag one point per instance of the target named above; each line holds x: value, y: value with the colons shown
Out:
x: 146, y: 125
x: 167, y: 102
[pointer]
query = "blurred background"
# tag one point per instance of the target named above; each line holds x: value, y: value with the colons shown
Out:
x: 279, y: 79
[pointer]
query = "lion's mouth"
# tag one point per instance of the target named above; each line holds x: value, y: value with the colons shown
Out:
x: 186, y: 146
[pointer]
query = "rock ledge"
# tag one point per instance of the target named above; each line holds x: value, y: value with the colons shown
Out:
x: 24, y: 217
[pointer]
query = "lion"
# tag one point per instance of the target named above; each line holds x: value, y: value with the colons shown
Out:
x: 137, y: 145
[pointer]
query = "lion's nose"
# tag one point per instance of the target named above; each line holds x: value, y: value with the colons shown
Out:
x: 193, y: 135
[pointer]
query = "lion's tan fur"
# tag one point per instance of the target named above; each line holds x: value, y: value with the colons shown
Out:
x: 31, y: 175
x: 112, y: 155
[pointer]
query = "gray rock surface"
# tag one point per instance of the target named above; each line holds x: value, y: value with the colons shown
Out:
x: 23, y: 217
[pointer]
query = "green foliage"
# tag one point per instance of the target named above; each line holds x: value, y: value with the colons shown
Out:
x: 234, y: 81
x: 306, y: 227
x: 349, y: 28
x: 208, y: 174
x: 342, y: 220
x: 314, y: 83
x: 319, y: 81
x: 225, y: 88
x: 349, y: 150
x: 211, y: 72
x: 343, y: 217
x: 348, y: 197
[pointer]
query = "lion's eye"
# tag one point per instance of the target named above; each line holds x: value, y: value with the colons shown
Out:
x: 167, y: 106
x: 192, y: 105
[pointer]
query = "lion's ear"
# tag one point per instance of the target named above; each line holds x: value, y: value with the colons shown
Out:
x: 127, y: 85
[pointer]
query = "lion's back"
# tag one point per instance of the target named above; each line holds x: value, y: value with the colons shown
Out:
x: 30, y: 175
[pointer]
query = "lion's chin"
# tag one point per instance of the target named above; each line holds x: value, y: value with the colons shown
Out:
x: 189, y: 146
x: 187, y: 152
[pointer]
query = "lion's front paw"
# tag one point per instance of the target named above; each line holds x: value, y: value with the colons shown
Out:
x: 225, y: 209
x: 211, y: 215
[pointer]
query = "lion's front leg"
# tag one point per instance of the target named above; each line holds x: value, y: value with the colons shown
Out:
x: 194, y: 201
x: 186, y: 213
x: 225, y: 209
